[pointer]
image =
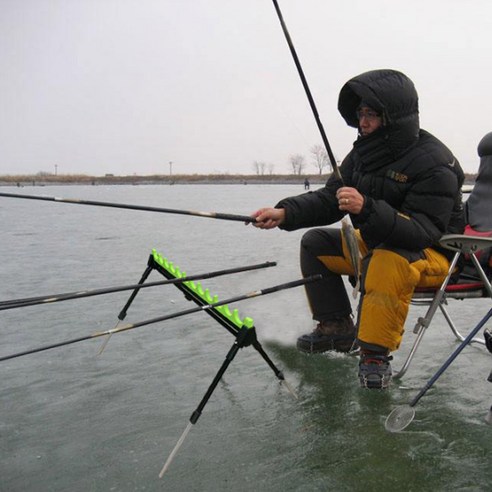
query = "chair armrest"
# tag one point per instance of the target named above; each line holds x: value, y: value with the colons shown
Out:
x: 465, y: 244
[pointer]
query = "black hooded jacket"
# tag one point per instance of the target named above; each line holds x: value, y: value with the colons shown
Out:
x: 478, y: 205
x: 411, y: 182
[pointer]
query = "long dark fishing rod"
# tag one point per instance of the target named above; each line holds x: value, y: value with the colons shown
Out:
x: 308, y: 92
x: 32, y: 301
x: 347, y: 228
x: 211, y: 215
x: 250, y: 295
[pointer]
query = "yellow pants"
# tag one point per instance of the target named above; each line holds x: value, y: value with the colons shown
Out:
x: 389, y: 278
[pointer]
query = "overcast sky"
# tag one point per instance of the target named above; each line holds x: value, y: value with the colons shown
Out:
x: 127, y: 86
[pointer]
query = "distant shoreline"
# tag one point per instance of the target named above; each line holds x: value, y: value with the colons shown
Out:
x: 182, y: 179
x: 52, y: 180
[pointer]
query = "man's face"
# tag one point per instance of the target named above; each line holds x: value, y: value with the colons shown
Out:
x: 369, y: 120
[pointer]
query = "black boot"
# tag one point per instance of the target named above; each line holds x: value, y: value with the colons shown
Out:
x: 335, y: 334
x: 375, y: 370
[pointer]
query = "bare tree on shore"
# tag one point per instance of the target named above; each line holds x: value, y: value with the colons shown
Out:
x: 320, y: 158
x: 259, y: 167
x: 297, y: 163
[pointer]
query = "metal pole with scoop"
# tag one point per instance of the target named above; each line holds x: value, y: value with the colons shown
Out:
x: 403, y: 415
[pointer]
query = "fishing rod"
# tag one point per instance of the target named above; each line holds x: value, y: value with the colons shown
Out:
x: 403, y: 415
x: 347, y: 229
x: 308, y: 92
x: 32, y: 301
x: 211, y: 215
x: 131, y: 326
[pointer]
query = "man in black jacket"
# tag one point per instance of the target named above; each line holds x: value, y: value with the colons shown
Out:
x: 402, y: 189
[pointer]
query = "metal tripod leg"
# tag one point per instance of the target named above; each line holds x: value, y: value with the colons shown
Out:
x: 134, y: 293
x: 245, y: 337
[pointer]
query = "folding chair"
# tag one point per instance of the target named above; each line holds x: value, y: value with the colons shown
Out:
x: 473, y: 248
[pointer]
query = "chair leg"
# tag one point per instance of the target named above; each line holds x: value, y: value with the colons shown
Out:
x: 421, y: 327
x: 457, y: 334
x: 439, y: 301
x: 409, y: 358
